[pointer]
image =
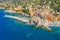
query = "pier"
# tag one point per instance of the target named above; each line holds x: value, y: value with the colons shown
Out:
x: 18, y: 18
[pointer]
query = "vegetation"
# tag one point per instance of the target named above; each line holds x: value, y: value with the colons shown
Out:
x: 55, y: 4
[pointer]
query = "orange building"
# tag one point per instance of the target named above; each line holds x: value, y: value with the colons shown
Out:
x: 31, y: 12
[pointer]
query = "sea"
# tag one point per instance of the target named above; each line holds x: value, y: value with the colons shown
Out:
x: 12, y: 29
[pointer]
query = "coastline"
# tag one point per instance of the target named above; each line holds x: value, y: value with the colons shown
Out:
x: 2, y: 8
x: 50, y: 23
x: 30, y: 20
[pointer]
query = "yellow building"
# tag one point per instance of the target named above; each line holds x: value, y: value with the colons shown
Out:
x: 31, y: 12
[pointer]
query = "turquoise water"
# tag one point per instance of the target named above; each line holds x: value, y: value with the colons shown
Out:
x: 11, y: 29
